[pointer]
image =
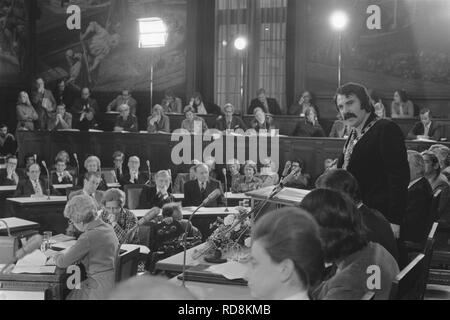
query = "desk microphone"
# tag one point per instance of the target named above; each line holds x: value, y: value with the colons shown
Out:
x: 213, y: 196
x: 152, y: 214
x: 48, y: 178
x: 75, y: 156
x: 224, y: 171
x: 149, y: 182
x: 33, y: 244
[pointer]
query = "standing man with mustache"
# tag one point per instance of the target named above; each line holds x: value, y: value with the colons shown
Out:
x: 375, y: 154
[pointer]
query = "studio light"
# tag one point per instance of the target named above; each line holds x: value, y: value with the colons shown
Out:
x: 152, y: 33
x: 240, y: 43
x: 339, y: 20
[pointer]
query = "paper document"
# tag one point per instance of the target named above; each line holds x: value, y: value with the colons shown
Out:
x: 230, y: 270
x: 33, y: 263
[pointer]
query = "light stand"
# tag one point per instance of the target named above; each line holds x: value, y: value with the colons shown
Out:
x: 339, y: 22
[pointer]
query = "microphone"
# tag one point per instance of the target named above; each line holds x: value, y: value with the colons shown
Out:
x: 287, y: 167
x: 224, y: 171
x: 48, y: 178
x: 152, y: 214
x: 213, y: 196
x: 33, y: 244
x: 75, y: 156
x: 149, y: 182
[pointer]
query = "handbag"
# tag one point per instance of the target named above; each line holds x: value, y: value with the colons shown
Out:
x: 8, y: 246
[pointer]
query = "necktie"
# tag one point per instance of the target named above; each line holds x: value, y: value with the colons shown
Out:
x: 37, y: 188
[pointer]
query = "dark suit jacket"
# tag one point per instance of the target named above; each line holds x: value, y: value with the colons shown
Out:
x: 306, y: 129
x: 193, y: 196
x: 142, y: 178
x: 417, y: 221
x: 25, y: 188
x: 274, y: 107
x: 103, y: 186
x: 380, y: 165
x: 65, y: 180
x: 379, y: 230
x: 80, y: 105
x: 435, y: 132
x: 350, y: 280
x: 149, y: 199
x: 236, y: 123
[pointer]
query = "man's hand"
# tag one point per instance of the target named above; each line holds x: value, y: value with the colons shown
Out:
x: 83, y: 115
x: 112, y: 219
x: 396, y: 230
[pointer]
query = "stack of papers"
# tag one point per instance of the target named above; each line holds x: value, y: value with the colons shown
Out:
x: 34, y: 263
x: 230, y: 270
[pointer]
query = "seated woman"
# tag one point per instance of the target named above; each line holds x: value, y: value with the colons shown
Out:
x: 193, y: 123
x: 122, y: 220
x: 309, y: 127
x: 377, y: 102
x: 126, y: 121
x: 268, y: 174
x: 286, y: 260
x: 305, y: 101
x: 61, y: 175
x: 340, y: 130
x: 26, y: 114
x: 438, y: 182
x: 97, y: 248
x: 346, y: 247
x: 93, y: 164
x: 247, y: 182
x: 261, y: 121
x: 158, y: 121
x: 61, y: 120
x: 401, y: 107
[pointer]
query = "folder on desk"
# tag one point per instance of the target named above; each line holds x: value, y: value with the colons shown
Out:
x: 34, y: 263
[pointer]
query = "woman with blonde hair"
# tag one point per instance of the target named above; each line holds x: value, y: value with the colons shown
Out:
x: 93, y: 164
x: 97, y: 248
x: 247, y: 182
x: 26, y: 114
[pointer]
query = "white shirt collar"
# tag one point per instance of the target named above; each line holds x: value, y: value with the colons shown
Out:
x: 414, y: 182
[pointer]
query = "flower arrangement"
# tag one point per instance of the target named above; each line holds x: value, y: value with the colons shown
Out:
x: 230, y: 235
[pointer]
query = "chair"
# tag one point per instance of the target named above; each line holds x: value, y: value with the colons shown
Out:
x: 127, y: 265
x: 428, y: 253
x: 133, y: 193
x: 407, y: 285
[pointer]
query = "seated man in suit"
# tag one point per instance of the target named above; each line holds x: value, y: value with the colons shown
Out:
x: 426, y: 128
x: 61, y: 120
x: 159, y: 195
x: 34, y: 186
x: 268, y: 105
x: 61, y: 175
x: 195, y: 192
x: 90, y: 185
x: 10, y: 177
x: 417, y: 222
x: 228, y: 121
x: 379, y: 228
x: 126, y: 121
x: 119, y: 168
x: 133, y: 176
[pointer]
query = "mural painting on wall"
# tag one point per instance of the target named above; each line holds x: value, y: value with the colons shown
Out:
x: 13, y: 41
x: 409, y: 51
x: 103, y: 55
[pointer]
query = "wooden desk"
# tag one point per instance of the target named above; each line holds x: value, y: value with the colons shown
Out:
x: 5, y: 192
x: 53, y: 284
x: 19, y: 227
x: 48, y: 213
